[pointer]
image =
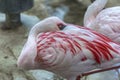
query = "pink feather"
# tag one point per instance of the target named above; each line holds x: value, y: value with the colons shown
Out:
x: 105, y: 21
x: 68, y: 52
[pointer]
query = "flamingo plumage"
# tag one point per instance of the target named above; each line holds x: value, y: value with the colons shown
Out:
x: 105, y: 21
x: 68, y: 52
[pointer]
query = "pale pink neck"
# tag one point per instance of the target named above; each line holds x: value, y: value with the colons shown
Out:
x: 92, y: 11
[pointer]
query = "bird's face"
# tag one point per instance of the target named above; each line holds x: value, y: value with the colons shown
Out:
x: 48, y: 24
x: 53, y: 24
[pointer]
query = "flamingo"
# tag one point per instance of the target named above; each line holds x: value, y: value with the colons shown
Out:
x: 110, y: 3
x: 105, y: 21
x: 67, y: 50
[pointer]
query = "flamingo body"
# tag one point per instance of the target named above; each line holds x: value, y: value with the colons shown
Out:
x: 69, y: 52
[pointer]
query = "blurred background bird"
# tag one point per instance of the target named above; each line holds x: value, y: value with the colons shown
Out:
x: 67, y: 50
x: 105, y: 21
x: 110, y: 3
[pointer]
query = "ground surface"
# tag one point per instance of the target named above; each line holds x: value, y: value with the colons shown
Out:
x: 11, y: 43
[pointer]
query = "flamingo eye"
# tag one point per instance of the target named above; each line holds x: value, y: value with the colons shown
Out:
x: 61, y: 26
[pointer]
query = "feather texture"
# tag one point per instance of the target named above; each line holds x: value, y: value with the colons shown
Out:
x: 105, y: 21
x: 69, y: 52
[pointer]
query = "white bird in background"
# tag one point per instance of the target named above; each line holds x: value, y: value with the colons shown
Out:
x: 68, y: 52
x: 110, y: 3
x: 105, y: 21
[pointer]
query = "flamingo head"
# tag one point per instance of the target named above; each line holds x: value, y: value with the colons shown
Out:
x: 26, y: 60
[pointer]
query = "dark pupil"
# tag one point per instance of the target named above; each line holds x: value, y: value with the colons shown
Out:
x: 61, y: 26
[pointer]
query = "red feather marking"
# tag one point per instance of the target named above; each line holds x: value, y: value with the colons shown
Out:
x: 104, y: 48
x: 66, y: 38
x: 109, y: 47
x: 98, y: 49
x: 77, y: 44
x: 101, y: 37
x: 43, y: 36
x: 49, y: 64
x: 43, y: 48
x: 95, y: 53
x: 61, y: 35
x: 69, y: 40
x: 49, y: 38
x: 63, y: 47
x: 71, y: 46
x: 39, y: 47
x: 99, y: 46
x: 44, y: 62
x: 53, y: 40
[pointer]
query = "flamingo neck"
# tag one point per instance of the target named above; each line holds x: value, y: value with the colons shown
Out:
x: 92, y: 11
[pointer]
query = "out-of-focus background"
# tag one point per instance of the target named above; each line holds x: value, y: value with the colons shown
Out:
x: 12, y: 41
